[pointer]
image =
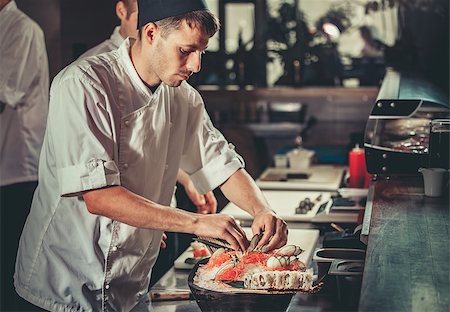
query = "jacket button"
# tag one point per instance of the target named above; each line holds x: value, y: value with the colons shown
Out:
x: 92, y: 164
x: 125, y: 165
x: 127, y: 123
x: 114, y: 248
x: 107, y: 286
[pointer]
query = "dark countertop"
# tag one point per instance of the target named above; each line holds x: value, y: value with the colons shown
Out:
x: 407, y: 259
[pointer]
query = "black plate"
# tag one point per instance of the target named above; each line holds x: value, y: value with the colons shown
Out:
x: 209, y: 300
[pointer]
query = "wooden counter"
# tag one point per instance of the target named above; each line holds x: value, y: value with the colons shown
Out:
x: 407, y: 259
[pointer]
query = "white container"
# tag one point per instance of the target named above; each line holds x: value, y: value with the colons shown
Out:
x: 280, y: 160
x: 433, y: 180
x: 300, y: 158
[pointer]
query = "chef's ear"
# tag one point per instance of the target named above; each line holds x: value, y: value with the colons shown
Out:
x: 148, y: 32
x: 121, y: 10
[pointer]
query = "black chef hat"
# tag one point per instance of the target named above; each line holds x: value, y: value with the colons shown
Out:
x: 155, y: 10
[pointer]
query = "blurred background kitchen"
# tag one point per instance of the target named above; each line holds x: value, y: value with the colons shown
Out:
x: 308, y: 62
x: 285, y: 78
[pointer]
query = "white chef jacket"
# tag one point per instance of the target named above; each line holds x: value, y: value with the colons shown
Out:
x: 105, y: 127
x: 110, y: 44
x: 24, y: 91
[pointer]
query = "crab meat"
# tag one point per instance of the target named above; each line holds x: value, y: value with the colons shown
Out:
x: 224, y: 270
x: 254, y: 242
x: 276, y: 262
x: 289, y: 250
x: 219, y: 251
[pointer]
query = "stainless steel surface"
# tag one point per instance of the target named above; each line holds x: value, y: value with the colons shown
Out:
x: 173, y: 279
x: 367, y: 214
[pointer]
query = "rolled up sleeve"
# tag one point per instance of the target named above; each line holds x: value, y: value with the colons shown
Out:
x: 95, y: 174
x: 208, y: 157
x: 83, y: 137
x: 217, y: 171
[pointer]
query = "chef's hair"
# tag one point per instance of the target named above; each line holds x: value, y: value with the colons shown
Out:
x: 201, y: 19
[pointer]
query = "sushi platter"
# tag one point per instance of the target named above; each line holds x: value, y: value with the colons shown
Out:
x: 305, y: 238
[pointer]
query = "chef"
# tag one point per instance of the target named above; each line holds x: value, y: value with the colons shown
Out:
x: 126, y: 11
x: 172, y: 243
x: 24, y: 82
x: 120, y: 125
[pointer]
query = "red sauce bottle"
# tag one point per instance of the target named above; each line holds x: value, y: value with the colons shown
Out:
x: 357, y: 167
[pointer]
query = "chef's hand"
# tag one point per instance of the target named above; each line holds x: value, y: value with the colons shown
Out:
x: 221, y: 226
x: 274, y: 228
x: 205, y: 203
x: 163, y: 244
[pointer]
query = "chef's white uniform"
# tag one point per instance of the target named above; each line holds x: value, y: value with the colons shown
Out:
x: 106, y: 128
x: 24, y: 80
x: 24, y: 94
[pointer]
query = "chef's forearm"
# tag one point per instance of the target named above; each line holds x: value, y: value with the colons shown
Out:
x: 242, y: 190
x: 120, y: 204
x: 183, y: 178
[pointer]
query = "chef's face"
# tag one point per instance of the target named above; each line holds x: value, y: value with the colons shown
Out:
x: 178, y: 55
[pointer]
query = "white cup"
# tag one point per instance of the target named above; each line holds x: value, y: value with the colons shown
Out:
x: 280, y: 160
x: 433, y: 180
x: 300, y: 158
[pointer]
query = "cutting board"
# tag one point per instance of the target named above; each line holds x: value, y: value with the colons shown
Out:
x: 284, y: 204
x: 320, y: 178
x: 305, y: 238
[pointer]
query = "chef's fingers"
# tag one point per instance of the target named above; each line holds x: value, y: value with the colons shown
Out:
x: 210, y: 206
x: 238, y: 233
x: 269, y: 230
x: 163, y: 244
x: 197, y: 199
x: 279, y: 238
x: 242, y: 234
x: 237, y: 240
x: 211, y: 202
x: 203, y: 209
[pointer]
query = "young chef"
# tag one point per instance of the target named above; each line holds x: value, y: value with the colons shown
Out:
x: 172, y: 244
x: 126, y: 11
x: 120, y: 125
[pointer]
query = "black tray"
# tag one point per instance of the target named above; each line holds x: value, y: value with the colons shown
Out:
x: 209, y: 300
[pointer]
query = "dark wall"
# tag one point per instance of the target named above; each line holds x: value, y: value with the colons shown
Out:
x: 85, y: 23
x: 71, y: 27
x: 424, y: 41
